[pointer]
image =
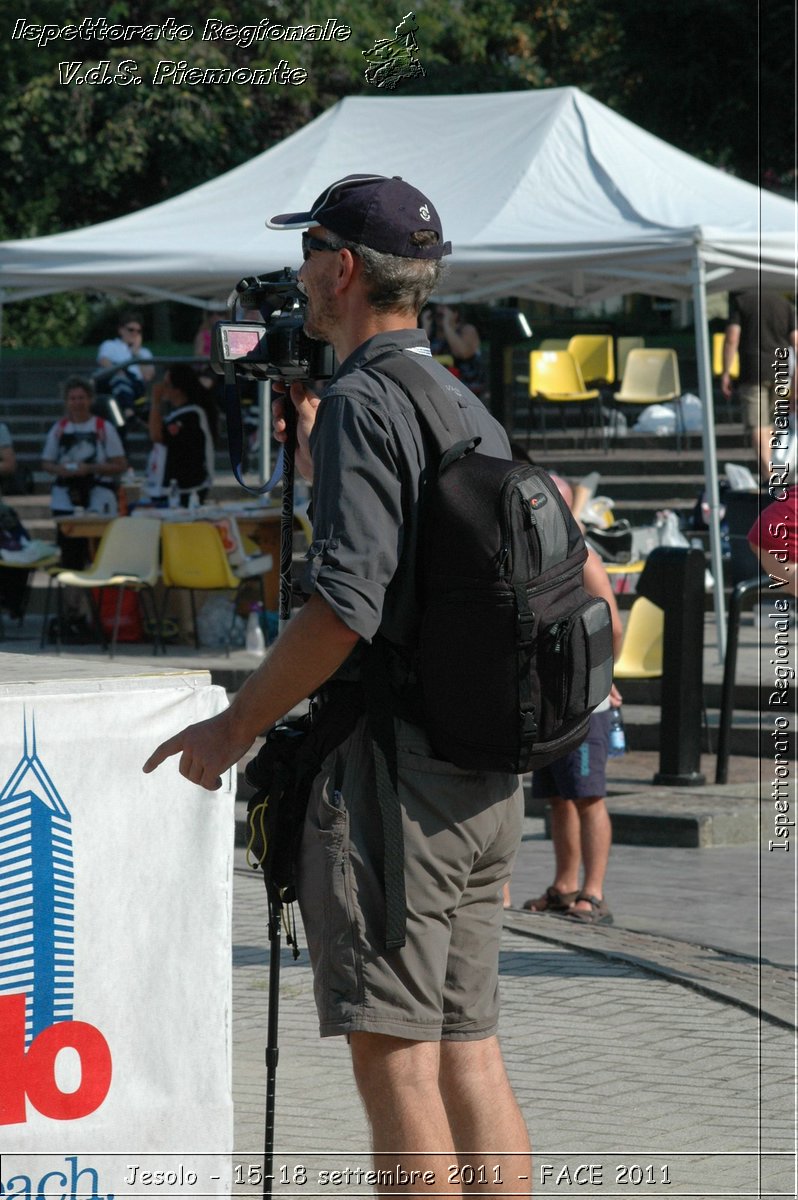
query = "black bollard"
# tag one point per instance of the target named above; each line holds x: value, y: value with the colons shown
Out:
x: 673, y: 578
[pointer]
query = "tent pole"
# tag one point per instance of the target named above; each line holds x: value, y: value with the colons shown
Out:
x: 708, y: 440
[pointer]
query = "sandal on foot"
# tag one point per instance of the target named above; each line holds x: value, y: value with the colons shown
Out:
x: 599, y: 913
x: 553, y: 901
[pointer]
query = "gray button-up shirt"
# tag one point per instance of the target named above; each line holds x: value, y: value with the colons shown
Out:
x: 368, y: 456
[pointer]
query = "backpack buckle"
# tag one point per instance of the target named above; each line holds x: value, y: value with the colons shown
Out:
x: 529, y: 724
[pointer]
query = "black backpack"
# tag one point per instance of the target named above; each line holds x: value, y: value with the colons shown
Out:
x: 514, y: 654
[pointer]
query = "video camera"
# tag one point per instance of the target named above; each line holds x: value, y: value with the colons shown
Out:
x: 276, y: 347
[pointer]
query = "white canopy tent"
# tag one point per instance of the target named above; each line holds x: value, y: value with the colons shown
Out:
x: 544, y: 194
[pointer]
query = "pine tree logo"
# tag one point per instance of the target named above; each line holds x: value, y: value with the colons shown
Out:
x: 393, y: 59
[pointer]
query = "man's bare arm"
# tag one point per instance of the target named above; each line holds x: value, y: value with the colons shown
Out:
x: 311, y: 648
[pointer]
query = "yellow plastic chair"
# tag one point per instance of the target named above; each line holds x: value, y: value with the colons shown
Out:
x: 622, y: 346
x: 126, y: 559
x: 556, y: 381
x: 594, y: 353
x: 652, y: 377
x: 194, y: 558
x: 717, y: 357
x: 621, y: 574
x: 554, y: 344
x: 641, y: 652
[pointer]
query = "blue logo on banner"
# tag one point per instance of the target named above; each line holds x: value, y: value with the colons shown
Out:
x: 37, y: 894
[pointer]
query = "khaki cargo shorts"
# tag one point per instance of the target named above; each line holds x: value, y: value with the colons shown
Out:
x: 757, y: 400
x: 461, y: 833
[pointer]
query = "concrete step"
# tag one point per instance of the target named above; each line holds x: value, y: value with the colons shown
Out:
x: 644, y: 694
x: 651, y: 483
x: 642, y: 812
x: 623, y: 459
x: 691, y: 817
x: 727, y: 435
x: 749, y: 736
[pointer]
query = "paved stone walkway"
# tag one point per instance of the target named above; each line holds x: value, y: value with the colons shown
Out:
x: 664, y: 1088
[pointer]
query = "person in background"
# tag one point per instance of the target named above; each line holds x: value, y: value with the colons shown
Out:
x: 182, y: 426
x: 762, y: 328
x: 774, y: 540
x: 8, y: 458
x: 576, y: 786
x: 203, y: 342
x: 84, y: 454
x: 450, y: 336
x: 129, y: 385
x: 204, y: 335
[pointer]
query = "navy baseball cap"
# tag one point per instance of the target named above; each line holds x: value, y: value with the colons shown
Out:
x: 378, y: 211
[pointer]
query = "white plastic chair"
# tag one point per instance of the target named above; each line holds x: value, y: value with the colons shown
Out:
x: 126, y: 559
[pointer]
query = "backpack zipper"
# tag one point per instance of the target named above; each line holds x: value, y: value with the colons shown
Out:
x: 508, y: 493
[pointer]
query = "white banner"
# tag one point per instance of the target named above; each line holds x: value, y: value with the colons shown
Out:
x: 115, y: 944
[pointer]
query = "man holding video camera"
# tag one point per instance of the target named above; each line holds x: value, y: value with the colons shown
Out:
x: 421, y: 1018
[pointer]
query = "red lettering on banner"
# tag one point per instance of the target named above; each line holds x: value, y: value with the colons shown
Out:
x: 32, y: 1073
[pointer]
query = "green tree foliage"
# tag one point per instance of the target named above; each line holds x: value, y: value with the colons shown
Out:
x: 710, y: 76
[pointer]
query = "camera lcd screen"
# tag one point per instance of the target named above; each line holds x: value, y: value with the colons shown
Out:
x: 239, y: 341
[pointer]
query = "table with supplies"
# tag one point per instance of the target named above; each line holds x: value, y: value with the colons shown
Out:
x: 260, y: 523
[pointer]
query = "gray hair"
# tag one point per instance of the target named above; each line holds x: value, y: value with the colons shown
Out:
x: 394, y: 284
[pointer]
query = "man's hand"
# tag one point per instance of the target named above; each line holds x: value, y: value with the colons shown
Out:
x: 310, y: 649
x: 306, y: 403
x: 206, y: 750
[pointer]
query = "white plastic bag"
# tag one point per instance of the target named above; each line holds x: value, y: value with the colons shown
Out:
x: 690, y: 413
x: 597, y: 512
x: 213, y: 623
x: 739, y: 478
x: 667, y: 525
x: 659, y: 419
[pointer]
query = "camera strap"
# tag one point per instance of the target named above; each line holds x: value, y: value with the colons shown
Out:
x: 235, y: 436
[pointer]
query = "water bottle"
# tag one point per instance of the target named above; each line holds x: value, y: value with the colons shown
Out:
x: 193, y: 500
x: 617, y: 736
x: 255, y: 641
x: 174, y: 494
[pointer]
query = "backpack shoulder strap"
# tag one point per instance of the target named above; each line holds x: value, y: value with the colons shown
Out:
x: 439, y: 416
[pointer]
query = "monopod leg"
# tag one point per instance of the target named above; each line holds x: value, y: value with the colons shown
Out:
x: 272, y: 1051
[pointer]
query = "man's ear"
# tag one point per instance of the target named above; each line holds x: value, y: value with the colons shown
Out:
x: 348, y: 266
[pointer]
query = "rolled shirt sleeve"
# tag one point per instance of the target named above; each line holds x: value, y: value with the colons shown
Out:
x: 358, y: 517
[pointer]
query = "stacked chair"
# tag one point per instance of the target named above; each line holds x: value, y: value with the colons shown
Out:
x: 556, y: 382
x: 194, y: 558
x: 126, y: 560
x: 651, y: 377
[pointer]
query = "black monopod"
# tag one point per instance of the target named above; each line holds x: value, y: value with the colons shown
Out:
x: 284, y: 468
x: 275, y: 902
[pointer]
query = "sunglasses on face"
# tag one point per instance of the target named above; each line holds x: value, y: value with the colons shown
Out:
x: 309, y: 242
